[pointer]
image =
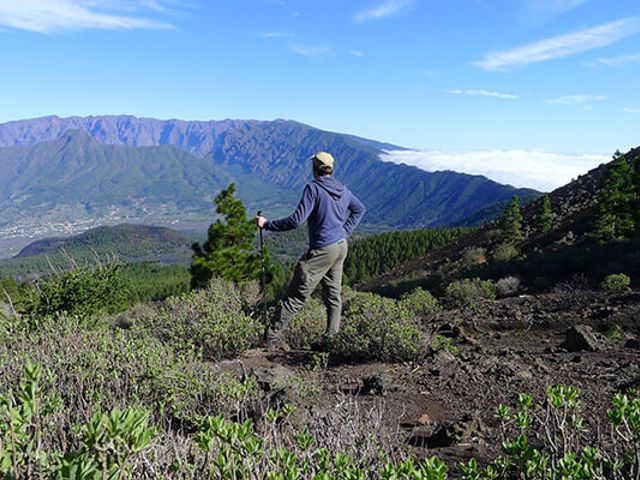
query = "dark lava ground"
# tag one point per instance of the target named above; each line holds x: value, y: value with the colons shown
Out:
x: 446, y: 404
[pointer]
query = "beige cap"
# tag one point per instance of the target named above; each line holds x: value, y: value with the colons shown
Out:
x: 323, y: 161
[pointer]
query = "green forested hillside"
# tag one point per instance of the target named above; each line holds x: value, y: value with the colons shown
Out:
x: 376, y: 254
x: 127, y: 242
x: 78, y: 178
x: 58, y: 169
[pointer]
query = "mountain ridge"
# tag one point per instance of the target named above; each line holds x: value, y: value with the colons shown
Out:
x: 183, y: 164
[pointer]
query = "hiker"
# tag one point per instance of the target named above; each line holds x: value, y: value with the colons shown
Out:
x: 331, y: 212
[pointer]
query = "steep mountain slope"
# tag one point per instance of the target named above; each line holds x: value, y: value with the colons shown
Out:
x: 543, y: 258
x: 276, y: 152
x: 129, y: 242
x: 77, y: 177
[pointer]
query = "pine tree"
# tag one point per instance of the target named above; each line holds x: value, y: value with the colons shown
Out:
x: 617, y: 201
x: 228, y: 252
x: 545, y: 215
x: 511, y: 225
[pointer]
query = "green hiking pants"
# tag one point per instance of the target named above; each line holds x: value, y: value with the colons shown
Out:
x: 319, y: 265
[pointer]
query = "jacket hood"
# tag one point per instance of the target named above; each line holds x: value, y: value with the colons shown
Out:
x: 332, y: 186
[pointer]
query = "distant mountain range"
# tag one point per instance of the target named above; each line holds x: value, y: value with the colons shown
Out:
x: 122, y: 168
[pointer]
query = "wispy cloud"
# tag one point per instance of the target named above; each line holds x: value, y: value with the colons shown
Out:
x: 311, y: 51
x: 522, y: 168
x: 631, y: 111
x: 270, y: 35
x: 562, y: 45
x: 616, y: 61
x: 47, y: 16
x: 356, y: 53
x: 579, y: 99
x: 382, y: 10
x: 550, y: 8
x: 484, y: 93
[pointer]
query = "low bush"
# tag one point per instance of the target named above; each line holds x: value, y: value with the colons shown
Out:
x: 82, y: 292
x: 210, y: 321
x: 507, y: 286
x: 440, y: 342
x: 616, y: 283
x: 466, y: 292
x: 474, y: 256
x: 308, y: 326
x: 505, y: 252
x: 541, y: 440
x: 377, y: 328
x: 420, y: 302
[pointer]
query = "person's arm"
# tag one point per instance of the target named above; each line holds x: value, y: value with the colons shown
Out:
x: 356, y: 209
x: 298, y: 217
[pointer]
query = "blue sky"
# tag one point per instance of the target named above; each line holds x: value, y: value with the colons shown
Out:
x: 529, y: 92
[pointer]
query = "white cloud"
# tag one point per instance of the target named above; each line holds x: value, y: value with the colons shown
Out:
x: 632, y: 111
x: 562, y: 45
x: 576, y: 99
x: 311, y: 51
x: 47, y: 16
x: 521, y: 168
x: 270, y: 35
x: 554, y: 7
x: 386, y: 9
x: 356, y: 53
x: 484, y: 93
x: 616, y: 61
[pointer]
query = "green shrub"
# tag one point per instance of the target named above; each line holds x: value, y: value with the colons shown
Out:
x: 474, y: 256
x: 82, y: 292
x: 308, y: 326
x: 505, y: 252
x: 420, y: 302
x: 616, y: 283
x: 615, y: 333
x: 377, y: 328
x: 468, y: 291
x: 211, y: 321
x: 440, y: 342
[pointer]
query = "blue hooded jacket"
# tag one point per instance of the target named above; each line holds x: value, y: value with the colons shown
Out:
x: 331, y: 209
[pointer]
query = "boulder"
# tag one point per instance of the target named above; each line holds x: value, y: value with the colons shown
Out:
x: 632, y: 344
x: 581, y: 338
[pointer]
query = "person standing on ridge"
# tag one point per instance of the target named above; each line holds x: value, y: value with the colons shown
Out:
x: 332, y: 212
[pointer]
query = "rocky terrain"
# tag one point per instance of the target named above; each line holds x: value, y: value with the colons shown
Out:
x: 446, y: 405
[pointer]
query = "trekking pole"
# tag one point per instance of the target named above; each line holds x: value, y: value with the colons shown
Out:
x: 263, y: 282
x: 264, y: 273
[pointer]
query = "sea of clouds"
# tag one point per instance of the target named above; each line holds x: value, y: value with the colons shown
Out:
x: 521, y: 168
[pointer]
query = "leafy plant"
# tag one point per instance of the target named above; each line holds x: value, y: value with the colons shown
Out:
x: 616, y: 283
x: 82, y: 292
x: 440, y: 342
x: 308, y: 326
x: 210, y: 320
x: 420, y: 302
x: 377, y: 328
x: 505, y: 252
x: 468, y: 291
